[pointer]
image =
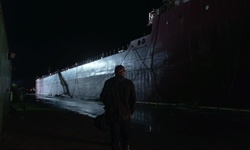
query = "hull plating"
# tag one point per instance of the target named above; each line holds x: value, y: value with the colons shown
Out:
x: 196, y: 54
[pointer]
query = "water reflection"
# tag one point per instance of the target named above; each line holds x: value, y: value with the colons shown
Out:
x: 163, y: 119
x: 89, y: 108
x: 142, y: 116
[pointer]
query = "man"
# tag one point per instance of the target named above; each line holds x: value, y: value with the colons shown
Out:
x: 119, y: 98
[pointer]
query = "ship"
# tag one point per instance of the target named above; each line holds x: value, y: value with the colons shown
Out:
x: 195, y: 55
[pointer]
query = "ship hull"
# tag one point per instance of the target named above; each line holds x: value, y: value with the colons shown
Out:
x: 196, y: 54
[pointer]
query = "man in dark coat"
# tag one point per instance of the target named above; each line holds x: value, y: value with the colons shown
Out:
x: 119, y: 98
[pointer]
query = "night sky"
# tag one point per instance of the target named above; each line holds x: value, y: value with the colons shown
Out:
x: 57, y: 34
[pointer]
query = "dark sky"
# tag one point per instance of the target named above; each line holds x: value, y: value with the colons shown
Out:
x: 57, y: 34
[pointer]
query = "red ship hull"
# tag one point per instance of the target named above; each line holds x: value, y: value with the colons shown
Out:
x: 196, y: 54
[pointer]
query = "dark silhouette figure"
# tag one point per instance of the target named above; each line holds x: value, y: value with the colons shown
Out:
x: 119, y: 98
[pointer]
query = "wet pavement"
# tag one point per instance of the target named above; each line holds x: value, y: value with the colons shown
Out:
x: 66, y: 124
x: 84, y: 107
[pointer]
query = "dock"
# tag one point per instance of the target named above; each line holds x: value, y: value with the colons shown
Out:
x: 33, y: 125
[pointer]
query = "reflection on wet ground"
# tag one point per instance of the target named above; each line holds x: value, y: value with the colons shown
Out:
x: 153, y: 127
x: 166, y: 119
x: 175, y: 127
x: 51, y: 126
x: 89, y: 108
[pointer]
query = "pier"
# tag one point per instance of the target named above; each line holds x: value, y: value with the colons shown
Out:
x: 36, y: 125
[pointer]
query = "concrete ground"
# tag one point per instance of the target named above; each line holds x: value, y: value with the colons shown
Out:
x: 42, y: 127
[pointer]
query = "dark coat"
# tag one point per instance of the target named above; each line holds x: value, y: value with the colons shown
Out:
x: 119, y: 97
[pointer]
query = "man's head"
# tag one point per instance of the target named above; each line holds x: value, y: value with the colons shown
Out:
x: 120, y: 71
